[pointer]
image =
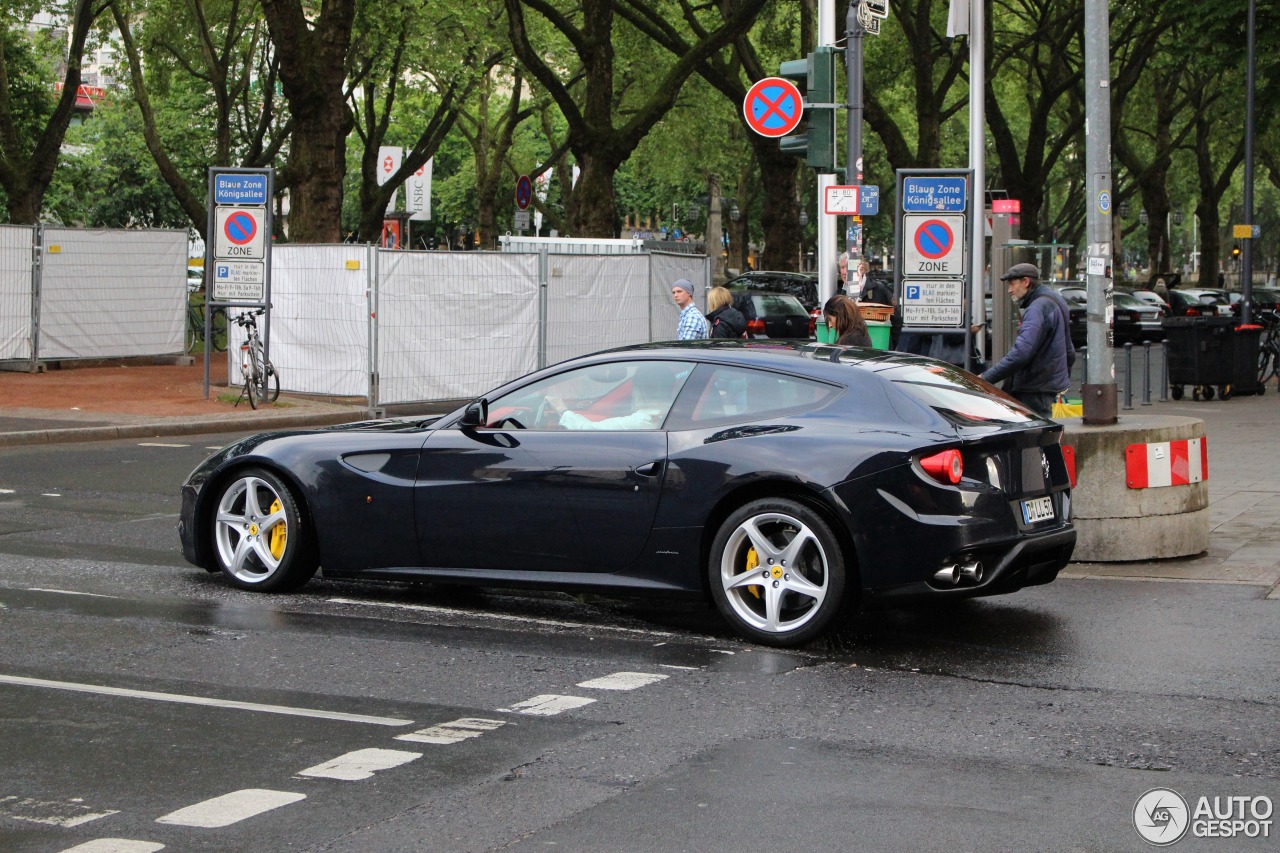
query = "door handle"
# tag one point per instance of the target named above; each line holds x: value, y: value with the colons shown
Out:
x: 650, y: 469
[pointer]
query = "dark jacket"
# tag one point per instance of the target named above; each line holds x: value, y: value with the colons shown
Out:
x: 1042, y: 355
x: 855, y: 338
x: 727, y: 322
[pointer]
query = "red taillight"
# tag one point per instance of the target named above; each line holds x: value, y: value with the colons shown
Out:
x: 755, y: 327
x: 945, y: 467
x: 1193, y: 312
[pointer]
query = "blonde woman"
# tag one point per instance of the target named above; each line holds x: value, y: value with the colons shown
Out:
x: 725, y: 320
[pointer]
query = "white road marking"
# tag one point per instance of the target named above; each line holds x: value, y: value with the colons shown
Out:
x: 115, y: 845
x: 231, y: 808
x: 69, y: 592
x: 49, y: 812
x: 160, y: 444
x: 501, y: 617
x: 453, y: 732
x: 676, y: 666
x: 6, y: 491
x: 547, y: 705
x: 622, y: 681
x: 360, y: 764
x: 213, y: 447
x: 182, y: 699
x: 50, y: 494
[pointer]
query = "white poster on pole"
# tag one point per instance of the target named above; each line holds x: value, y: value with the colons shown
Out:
x: 417, y: 193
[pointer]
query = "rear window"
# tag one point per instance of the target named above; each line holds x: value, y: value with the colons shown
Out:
x: 959, y: 396
x: 776, y: 305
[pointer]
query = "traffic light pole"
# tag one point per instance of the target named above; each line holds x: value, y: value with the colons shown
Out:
x: 854, y: 80
x: 826, y: 224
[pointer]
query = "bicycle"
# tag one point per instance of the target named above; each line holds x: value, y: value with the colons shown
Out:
x: 1269, y: 346
x: 261, y: 382
x: 195, y: 327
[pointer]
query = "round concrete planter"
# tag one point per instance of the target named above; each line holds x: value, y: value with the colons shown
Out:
x: 1114, y: 522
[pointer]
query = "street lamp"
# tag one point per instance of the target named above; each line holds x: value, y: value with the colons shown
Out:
x: 734, y: 213
x: 1142, y: 216
x: 1177, y: 217
x: 804, y: 218
x: 1124, y: 210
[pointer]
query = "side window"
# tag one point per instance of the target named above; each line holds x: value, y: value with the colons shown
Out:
x: 724, y: 395
x: 624, y: 395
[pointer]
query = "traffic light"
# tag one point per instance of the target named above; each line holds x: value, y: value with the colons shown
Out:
x: 815, y: 76
x: 1235, y: 251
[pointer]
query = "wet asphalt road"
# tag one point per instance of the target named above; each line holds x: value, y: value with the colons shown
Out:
x: 1031, y: 721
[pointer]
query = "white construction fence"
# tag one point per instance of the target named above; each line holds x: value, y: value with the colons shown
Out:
x: 346, y: 320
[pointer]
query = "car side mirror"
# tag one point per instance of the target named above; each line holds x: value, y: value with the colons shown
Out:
x: 476, y: 414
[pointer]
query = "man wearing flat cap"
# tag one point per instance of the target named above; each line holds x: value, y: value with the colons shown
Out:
x: 692, y: 326
x: 1041, y: 358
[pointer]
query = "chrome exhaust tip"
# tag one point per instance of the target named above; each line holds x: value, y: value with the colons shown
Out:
x: 972, y: 571
x: 948, y: 574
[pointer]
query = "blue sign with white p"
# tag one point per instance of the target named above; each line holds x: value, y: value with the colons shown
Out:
x: 913, y: 291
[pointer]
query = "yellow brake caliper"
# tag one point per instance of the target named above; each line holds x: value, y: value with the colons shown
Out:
x: 753, y: 563
x: 278, y: 533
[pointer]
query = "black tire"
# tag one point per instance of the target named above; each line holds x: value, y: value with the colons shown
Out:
x: 270, y: 383
x: 260, y: 535
x: 193, y: 336
x: 250, y: 374
x: 1224, y: 392
x: 1207, y: 392
x: 793, y: 603
x: 1176, y: 392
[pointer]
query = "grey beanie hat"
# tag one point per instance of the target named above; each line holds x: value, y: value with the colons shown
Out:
x: 685, y: 285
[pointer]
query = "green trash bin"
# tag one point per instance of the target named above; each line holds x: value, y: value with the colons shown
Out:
x: 879, y: 330
x: 822, y: 334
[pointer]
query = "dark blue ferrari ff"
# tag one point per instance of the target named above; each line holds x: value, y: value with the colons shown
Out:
x: 783, y: 481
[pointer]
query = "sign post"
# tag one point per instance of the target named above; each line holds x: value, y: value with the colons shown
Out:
x: 238, y: 261
x: 933, y: 243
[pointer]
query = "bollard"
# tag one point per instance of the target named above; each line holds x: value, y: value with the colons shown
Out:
x: 1164, y: 370
x: 1146, y: 373
x: 1084, y: 365
x: 1128, y: 376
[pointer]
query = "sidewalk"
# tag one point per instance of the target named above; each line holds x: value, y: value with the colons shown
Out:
x: 127, y: 400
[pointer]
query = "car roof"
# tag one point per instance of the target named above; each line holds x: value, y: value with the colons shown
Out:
x: 801, y: 357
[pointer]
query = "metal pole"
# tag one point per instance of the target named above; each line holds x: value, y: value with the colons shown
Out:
x: 827, y: 254
x: 1246, y: 254
x: 1146, y: 373
x: 1128, y: 376
x: 854, y: 33
x: 1099, y: 394
x: 978, y: 163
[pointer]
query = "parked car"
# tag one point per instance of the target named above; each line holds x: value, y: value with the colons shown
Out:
x: 780, y: 484
x: 1264, y: 299
x: 803, y: 286
x: 774, y: 315
x: 1152, y: 298
x: 1132, y: 320
x: 1213, y: 302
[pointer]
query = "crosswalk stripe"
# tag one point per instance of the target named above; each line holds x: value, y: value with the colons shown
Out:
x: 453, y: 732
x: 360, y: 764
x: 622, y: 681
x: 116, y: 845
x: 547, y: 705
x: 231, y: 808
x: 159, y: 444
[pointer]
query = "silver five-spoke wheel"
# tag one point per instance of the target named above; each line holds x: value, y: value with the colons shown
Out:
x: 777, y: 572
x: 258, y: 535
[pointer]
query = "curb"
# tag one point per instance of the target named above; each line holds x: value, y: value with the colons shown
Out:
x: 178, y: 427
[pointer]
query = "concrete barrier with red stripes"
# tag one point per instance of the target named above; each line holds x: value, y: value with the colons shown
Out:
x: 1140, y: 488
x: 1167, y: 463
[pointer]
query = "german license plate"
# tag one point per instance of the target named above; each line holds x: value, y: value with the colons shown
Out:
x: 1037, y: 509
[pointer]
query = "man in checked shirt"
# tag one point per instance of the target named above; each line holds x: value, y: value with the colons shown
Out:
x: 692, y: 325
